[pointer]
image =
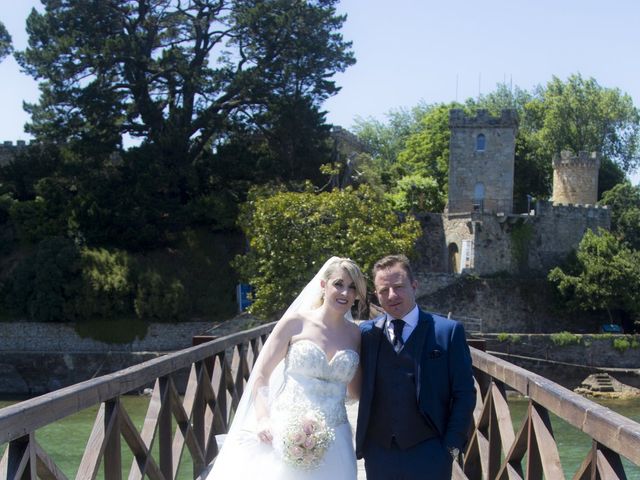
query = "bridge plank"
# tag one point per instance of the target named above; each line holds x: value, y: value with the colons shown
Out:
x: 112, y: 453
x: 149, y: 427
x: 16, y: 461
x: 90, y: 463
x: 546, y: 444
x: 45, y: 466
x: 143, y: 461
x: 184, y: 434
x: 609, y: 464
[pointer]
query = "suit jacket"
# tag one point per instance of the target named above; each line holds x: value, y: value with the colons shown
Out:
x: 445, y: 390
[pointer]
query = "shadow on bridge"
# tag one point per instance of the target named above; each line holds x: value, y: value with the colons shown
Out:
x: 188, y: 422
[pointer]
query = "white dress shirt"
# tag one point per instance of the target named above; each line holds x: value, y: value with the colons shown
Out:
x: 410, y: 321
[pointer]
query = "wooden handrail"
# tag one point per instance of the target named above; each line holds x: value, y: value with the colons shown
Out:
x: 602, y: 424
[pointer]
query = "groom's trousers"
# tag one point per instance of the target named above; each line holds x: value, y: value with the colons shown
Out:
x: 428, y: 460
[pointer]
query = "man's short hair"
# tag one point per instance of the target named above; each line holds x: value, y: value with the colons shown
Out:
x: 391, y: 260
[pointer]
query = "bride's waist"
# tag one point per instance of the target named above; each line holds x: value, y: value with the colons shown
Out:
x: 291, y: 403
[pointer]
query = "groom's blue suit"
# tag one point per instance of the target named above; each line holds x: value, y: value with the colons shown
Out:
x: 444, y: 389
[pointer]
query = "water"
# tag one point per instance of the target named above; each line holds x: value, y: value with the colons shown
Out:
x: 65, y: 440
x: 573, y: 445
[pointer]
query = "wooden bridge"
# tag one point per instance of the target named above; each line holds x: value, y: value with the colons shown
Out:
x: 180, y: 430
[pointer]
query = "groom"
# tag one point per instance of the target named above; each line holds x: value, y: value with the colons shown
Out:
x: 417, y: 395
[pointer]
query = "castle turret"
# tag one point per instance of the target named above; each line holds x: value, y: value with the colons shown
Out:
x: 481, y: 162
x: 575, y: 178
x: 8, y: 150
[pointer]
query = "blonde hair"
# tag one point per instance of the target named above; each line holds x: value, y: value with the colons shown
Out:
x: 354, y: 272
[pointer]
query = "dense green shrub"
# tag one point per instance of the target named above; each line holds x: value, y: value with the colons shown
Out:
x: 292, y: 234
x: 62, y: 282
x: 512, y: 338
x: 31, y: 220
x: 45, y: 284
x: 106, y: 290
x: 160, y: 298
x: 623, y: 343
x: 563, y: 339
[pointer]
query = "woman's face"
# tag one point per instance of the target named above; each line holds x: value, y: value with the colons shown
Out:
x: 339, y: 291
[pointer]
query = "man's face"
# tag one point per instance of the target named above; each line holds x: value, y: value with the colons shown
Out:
x: 395, y: 292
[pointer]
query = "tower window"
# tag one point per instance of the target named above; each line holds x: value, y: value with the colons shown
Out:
x: 478, y: 197
x: 481, y: 142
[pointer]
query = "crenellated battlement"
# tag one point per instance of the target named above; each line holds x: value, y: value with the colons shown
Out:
x: 583, y: 159
x: 599, y: 213
x: 8, y: 150
x: 459, y: 119
x: 8, y: 144
x: 575, y: 178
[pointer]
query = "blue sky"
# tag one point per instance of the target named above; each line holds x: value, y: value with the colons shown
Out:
x: 433, y: 51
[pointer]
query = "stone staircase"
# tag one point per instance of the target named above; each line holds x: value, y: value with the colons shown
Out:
x: 598, y: 382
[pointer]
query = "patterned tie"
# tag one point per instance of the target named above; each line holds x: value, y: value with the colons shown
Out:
x: 398, y: 325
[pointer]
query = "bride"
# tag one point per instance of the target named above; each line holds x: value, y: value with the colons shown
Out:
x: 291, y: 422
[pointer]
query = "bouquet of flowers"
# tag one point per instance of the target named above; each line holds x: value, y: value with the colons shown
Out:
x: 305, y: 440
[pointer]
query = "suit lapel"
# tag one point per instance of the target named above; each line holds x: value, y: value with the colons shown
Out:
x: 376, y: 336
x: 425, y: 335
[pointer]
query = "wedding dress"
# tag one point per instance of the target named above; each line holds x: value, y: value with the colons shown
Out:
x: 311, y: 382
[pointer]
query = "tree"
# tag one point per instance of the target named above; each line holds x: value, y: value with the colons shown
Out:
x: 175, y: 73
x: 5, y: 42
x: 194, y: 80
x: 288, y: 142
x: 604, y: 275
x: 385, y: 141
x: 291, y: 234
x: 580, y: 114
x: 425, y: 159
x: 624, y: 202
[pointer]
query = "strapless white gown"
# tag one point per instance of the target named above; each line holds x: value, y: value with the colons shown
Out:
x: 311, y: 382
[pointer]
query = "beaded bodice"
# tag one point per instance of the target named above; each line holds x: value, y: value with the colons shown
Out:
x: 313, y: 381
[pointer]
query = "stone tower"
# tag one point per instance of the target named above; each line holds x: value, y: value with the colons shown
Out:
x: 575, y: 178
x: 481, y: 162
x: 8, y: 150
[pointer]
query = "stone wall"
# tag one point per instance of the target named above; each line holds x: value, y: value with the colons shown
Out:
x: 503, y: 304
x: 25, y: 337
x: 36, y: 358
x: 432, y: 245
x: 558, y: 229
x: 27, y: 374
x: 568, y: 365
x: 507, y: 243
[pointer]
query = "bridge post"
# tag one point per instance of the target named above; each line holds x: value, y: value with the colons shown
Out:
x: 112, y: 454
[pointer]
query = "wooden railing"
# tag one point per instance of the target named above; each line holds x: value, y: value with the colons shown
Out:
x: 497, y: 451
x: 218, y: 371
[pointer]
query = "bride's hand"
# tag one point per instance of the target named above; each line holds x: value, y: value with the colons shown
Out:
x: 264, y: 431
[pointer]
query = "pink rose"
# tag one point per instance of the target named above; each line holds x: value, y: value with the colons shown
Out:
x: 297, y: 452
x: 309, y: 426
x: 299, y: 437
x: 309, y: 443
